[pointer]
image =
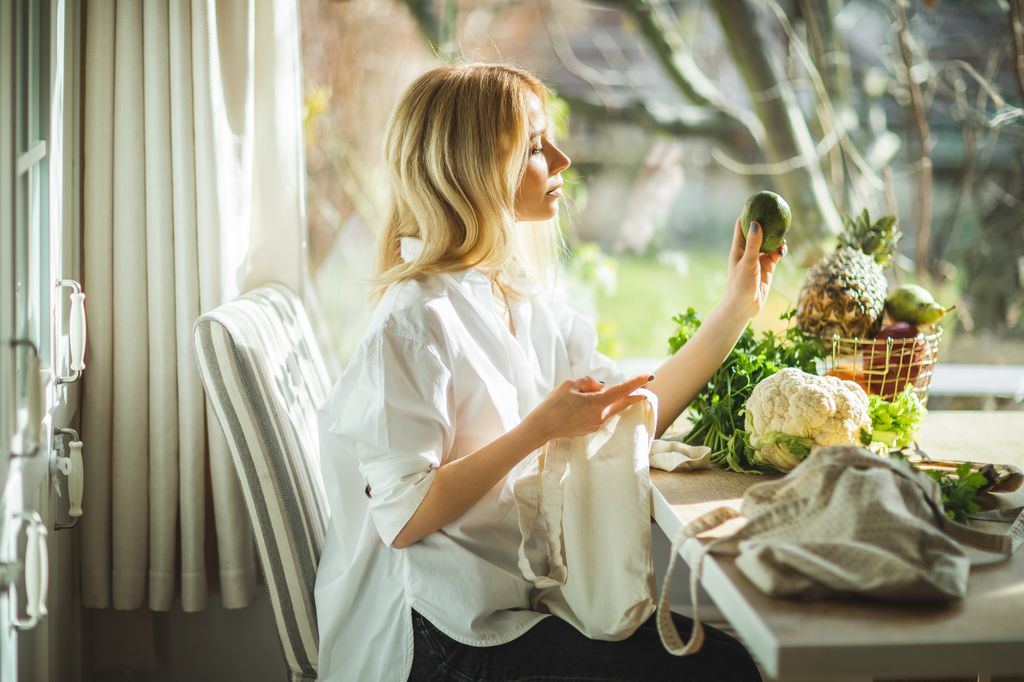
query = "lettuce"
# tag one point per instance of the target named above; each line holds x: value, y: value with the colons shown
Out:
x: 896, y: 423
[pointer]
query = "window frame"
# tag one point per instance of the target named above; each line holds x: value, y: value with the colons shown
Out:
x: 40, y: 122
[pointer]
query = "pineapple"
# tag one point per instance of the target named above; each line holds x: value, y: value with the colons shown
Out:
x: 844, y: 293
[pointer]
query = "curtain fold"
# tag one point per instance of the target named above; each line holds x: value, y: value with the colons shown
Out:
x: 193, y: 172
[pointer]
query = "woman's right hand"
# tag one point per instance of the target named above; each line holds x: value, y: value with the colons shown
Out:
x: 580, y: 406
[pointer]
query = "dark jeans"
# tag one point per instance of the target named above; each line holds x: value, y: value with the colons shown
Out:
x: 554, y: 650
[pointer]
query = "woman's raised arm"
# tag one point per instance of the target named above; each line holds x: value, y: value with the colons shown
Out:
x: 684, y: 374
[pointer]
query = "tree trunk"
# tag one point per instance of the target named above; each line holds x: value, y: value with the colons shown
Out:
x: 662, y: 37
x: 787, y: 138
x: 830, y: 58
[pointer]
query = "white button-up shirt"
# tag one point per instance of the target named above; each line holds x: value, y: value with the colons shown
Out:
x: 437, y: 376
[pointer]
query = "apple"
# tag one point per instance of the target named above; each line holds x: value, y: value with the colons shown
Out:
x: 906, y: 357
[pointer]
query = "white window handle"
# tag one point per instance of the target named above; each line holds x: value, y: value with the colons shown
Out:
x: 37, y: 571
x: 37, y: 578
x: 76, y: 331
x: 76, y: 480
x: 73, y: 467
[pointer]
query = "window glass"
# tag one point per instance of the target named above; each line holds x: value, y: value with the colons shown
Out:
x: 7, y: 276
x: 31, y: 191
x: 661, y: 172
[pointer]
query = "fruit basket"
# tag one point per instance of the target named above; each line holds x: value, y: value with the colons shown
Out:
x: 885, y: 366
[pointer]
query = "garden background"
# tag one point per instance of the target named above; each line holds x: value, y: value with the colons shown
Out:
x: 673, y: 113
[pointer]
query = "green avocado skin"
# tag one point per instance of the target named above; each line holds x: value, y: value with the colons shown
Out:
x: 771, y: 212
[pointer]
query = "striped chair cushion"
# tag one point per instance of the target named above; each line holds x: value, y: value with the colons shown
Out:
x: 265, y: 377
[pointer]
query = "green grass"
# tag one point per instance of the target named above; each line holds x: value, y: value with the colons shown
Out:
x: 636, y: 321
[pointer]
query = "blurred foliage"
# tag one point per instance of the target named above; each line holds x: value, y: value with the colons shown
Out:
x: 314, y: 104
x: 661, y: 189
x: 594, y: 269
x: 592, y: 275
x: 650, y: 291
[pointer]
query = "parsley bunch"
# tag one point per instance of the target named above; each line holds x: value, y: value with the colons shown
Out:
x: 960, y: 492
x: 717, y: 413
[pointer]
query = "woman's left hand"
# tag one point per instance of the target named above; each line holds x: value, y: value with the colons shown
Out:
x: 750, y: 272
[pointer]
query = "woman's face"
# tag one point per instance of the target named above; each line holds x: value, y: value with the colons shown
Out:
x: 541, y: 186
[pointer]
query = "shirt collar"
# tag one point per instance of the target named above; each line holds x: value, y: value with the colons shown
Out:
x: 412, y: 247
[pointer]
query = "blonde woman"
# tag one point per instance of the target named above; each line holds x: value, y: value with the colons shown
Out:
x: 468, y: 366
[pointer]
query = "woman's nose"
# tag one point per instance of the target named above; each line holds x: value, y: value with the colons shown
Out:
x: 559, y: 162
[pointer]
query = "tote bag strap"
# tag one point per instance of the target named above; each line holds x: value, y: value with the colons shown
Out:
x: 667, y: 631
x: 1002, y: 544
x: 545, y: 500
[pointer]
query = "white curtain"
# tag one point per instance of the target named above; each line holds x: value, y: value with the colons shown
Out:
x: 193, y: 193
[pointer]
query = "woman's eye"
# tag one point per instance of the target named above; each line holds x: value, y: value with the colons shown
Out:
x: 537, y: 150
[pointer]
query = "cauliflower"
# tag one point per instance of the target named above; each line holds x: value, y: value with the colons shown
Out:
x: 791, y: 412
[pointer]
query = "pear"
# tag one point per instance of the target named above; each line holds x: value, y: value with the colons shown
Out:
x: 914, y: 304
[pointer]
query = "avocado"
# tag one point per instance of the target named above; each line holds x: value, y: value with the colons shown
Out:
x: 771, y: 212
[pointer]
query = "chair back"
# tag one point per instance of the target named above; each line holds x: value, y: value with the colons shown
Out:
x: 265, y: 377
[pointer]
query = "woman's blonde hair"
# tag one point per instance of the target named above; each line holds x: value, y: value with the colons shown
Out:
x: 456, y: 148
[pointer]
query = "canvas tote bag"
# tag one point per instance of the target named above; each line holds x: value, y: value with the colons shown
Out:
x: 845, y: 521
x: 584, y: 511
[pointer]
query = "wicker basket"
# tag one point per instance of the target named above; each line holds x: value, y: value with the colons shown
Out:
x: 886, y: 366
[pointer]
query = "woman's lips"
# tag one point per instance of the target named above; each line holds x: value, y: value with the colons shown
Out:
x: 556, y: 192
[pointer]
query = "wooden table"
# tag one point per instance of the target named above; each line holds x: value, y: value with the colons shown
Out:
x: 983, y: 635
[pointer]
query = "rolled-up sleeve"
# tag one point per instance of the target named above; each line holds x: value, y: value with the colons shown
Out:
x: 395, y: 408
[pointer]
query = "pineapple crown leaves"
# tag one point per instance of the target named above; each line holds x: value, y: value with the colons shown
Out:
x: 877, y: 239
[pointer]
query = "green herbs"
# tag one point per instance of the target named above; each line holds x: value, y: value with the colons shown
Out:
x: 959, y: 492
x: 717, y: 411
x: 896, y: 423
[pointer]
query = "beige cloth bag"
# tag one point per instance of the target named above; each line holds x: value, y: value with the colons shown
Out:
x: 584, y: 509
x: 845, y: 521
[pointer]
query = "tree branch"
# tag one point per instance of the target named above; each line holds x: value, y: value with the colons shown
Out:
x: 825, y: 107
x: 969, y: 135
x: 805, y: 187
x: 917, y: 115
x: 1017, y: 29
x: 816, y: 22
x: 684, y: 122
x: 565, y: 53
x: 668, y: 46
x: 824, y: 147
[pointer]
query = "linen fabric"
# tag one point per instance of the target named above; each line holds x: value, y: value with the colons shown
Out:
x: 844, y: 522
x: 588, y: 499
x: 265, y: 377
x: 671, y: 455
x: 193, y: 192
x: 437, y: 376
